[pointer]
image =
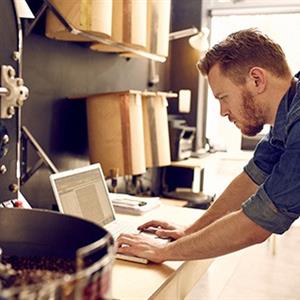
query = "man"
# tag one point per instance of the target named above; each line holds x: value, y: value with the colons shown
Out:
x: 249, y: 75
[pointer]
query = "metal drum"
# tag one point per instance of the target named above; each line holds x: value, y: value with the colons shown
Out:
x: 38, y: 234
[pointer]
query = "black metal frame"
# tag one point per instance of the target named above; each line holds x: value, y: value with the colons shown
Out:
x: 27, y: 172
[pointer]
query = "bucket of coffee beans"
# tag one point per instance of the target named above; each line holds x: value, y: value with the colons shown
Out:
x: 77, y: 266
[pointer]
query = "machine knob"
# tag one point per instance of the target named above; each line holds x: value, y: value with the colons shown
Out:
x: 5, y: 139
x: 3, y: 169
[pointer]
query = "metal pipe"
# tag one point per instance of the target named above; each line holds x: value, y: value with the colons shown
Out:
x: 41, y: 153
x: 3, y: 91
x: 183, y: 33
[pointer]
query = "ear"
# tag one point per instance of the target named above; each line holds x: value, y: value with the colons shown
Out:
x: 258, y: 79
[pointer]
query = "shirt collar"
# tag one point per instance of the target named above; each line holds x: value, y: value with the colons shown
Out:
x: 278, y: 130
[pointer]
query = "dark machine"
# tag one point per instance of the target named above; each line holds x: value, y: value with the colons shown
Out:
x: 175, y: 178
x: 12, y: 95
x: 39, y: 235
x: 181, y: 138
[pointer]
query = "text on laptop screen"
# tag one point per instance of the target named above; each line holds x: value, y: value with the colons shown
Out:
x: 84, y: 195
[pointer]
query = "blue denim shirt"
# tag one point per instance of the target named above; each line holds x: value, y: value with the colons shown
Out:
x: 275, y: 167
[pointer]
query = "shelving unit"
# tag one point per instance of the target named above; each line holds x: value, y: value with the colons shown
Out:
x: 92, y: 37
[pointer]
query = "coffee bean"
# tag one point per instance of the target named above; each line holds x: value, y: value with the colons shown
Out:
x: 33, y: 270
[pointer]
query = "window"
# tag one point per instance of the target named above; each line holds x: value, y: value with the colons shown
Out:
x: 281, y: 27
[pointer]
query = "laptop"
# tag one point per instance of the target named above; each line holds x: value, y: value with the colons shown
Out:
x: 83, y: 192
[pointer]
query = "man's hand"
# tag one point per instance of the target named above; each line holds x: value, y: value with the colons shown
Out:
x: 141, y: 246
x: 163, y: 230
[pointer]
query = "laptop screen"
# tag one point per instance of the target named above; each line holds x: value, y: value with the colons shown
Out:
x: 82, y: 192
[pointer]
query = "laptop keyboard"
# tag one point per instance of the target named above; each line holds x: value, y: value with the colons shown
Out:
x: 117, y: 227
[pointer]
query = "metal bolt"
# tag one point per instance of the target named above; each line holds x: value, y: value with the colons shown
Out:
x: 3, y: 169
x: 11, y: 110
x: 13, y: 187
x: 16, y: 55
x: 5, y: 139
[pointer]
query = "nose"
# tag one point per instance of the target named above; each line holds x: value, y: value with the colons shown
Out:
x: 223, y: 110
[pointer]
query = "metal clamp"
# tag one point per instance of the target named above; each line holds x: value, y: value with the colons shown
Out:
x: 13, y: 92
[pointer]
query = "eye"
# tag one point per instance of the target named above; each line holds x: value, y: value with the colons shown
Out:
x: 222, y: 98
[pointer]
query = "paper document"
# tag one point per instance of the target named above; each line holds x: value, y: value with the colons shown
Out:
x: 124, y: 203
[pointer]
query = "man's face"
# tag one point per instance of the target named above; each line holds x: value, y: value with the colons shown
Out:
x: 236, y: 102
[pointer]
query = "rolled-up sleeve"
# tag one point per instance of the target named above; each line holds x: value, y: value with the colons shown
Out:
x: 255, y: 173
x: 262, y: 211
x: 276, y: 205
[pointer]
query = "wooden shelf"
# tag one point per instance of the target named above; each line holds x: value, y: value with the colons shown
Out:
x: 106, y: 41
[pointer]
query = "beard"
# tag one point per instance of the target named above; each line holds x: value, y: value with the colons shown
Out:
x: 254, y: 119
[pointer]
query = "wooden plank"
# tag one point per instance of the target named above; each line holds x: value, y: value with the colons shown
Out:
x: 93, y: 17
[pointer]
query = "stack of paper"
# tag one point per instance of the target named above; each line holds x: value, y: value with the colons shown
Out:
x: 124, y: 203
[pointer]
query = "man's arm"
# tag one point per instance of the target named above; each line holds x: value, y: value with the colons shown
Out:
x: 229, y: 233
x: 233, y: 232
x: 238, y: 191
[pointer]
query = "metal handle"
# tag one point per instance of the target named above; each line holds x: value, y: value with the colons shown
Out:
x: 83, y: 252
x: 13, y: 92
x: 3, y: 91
